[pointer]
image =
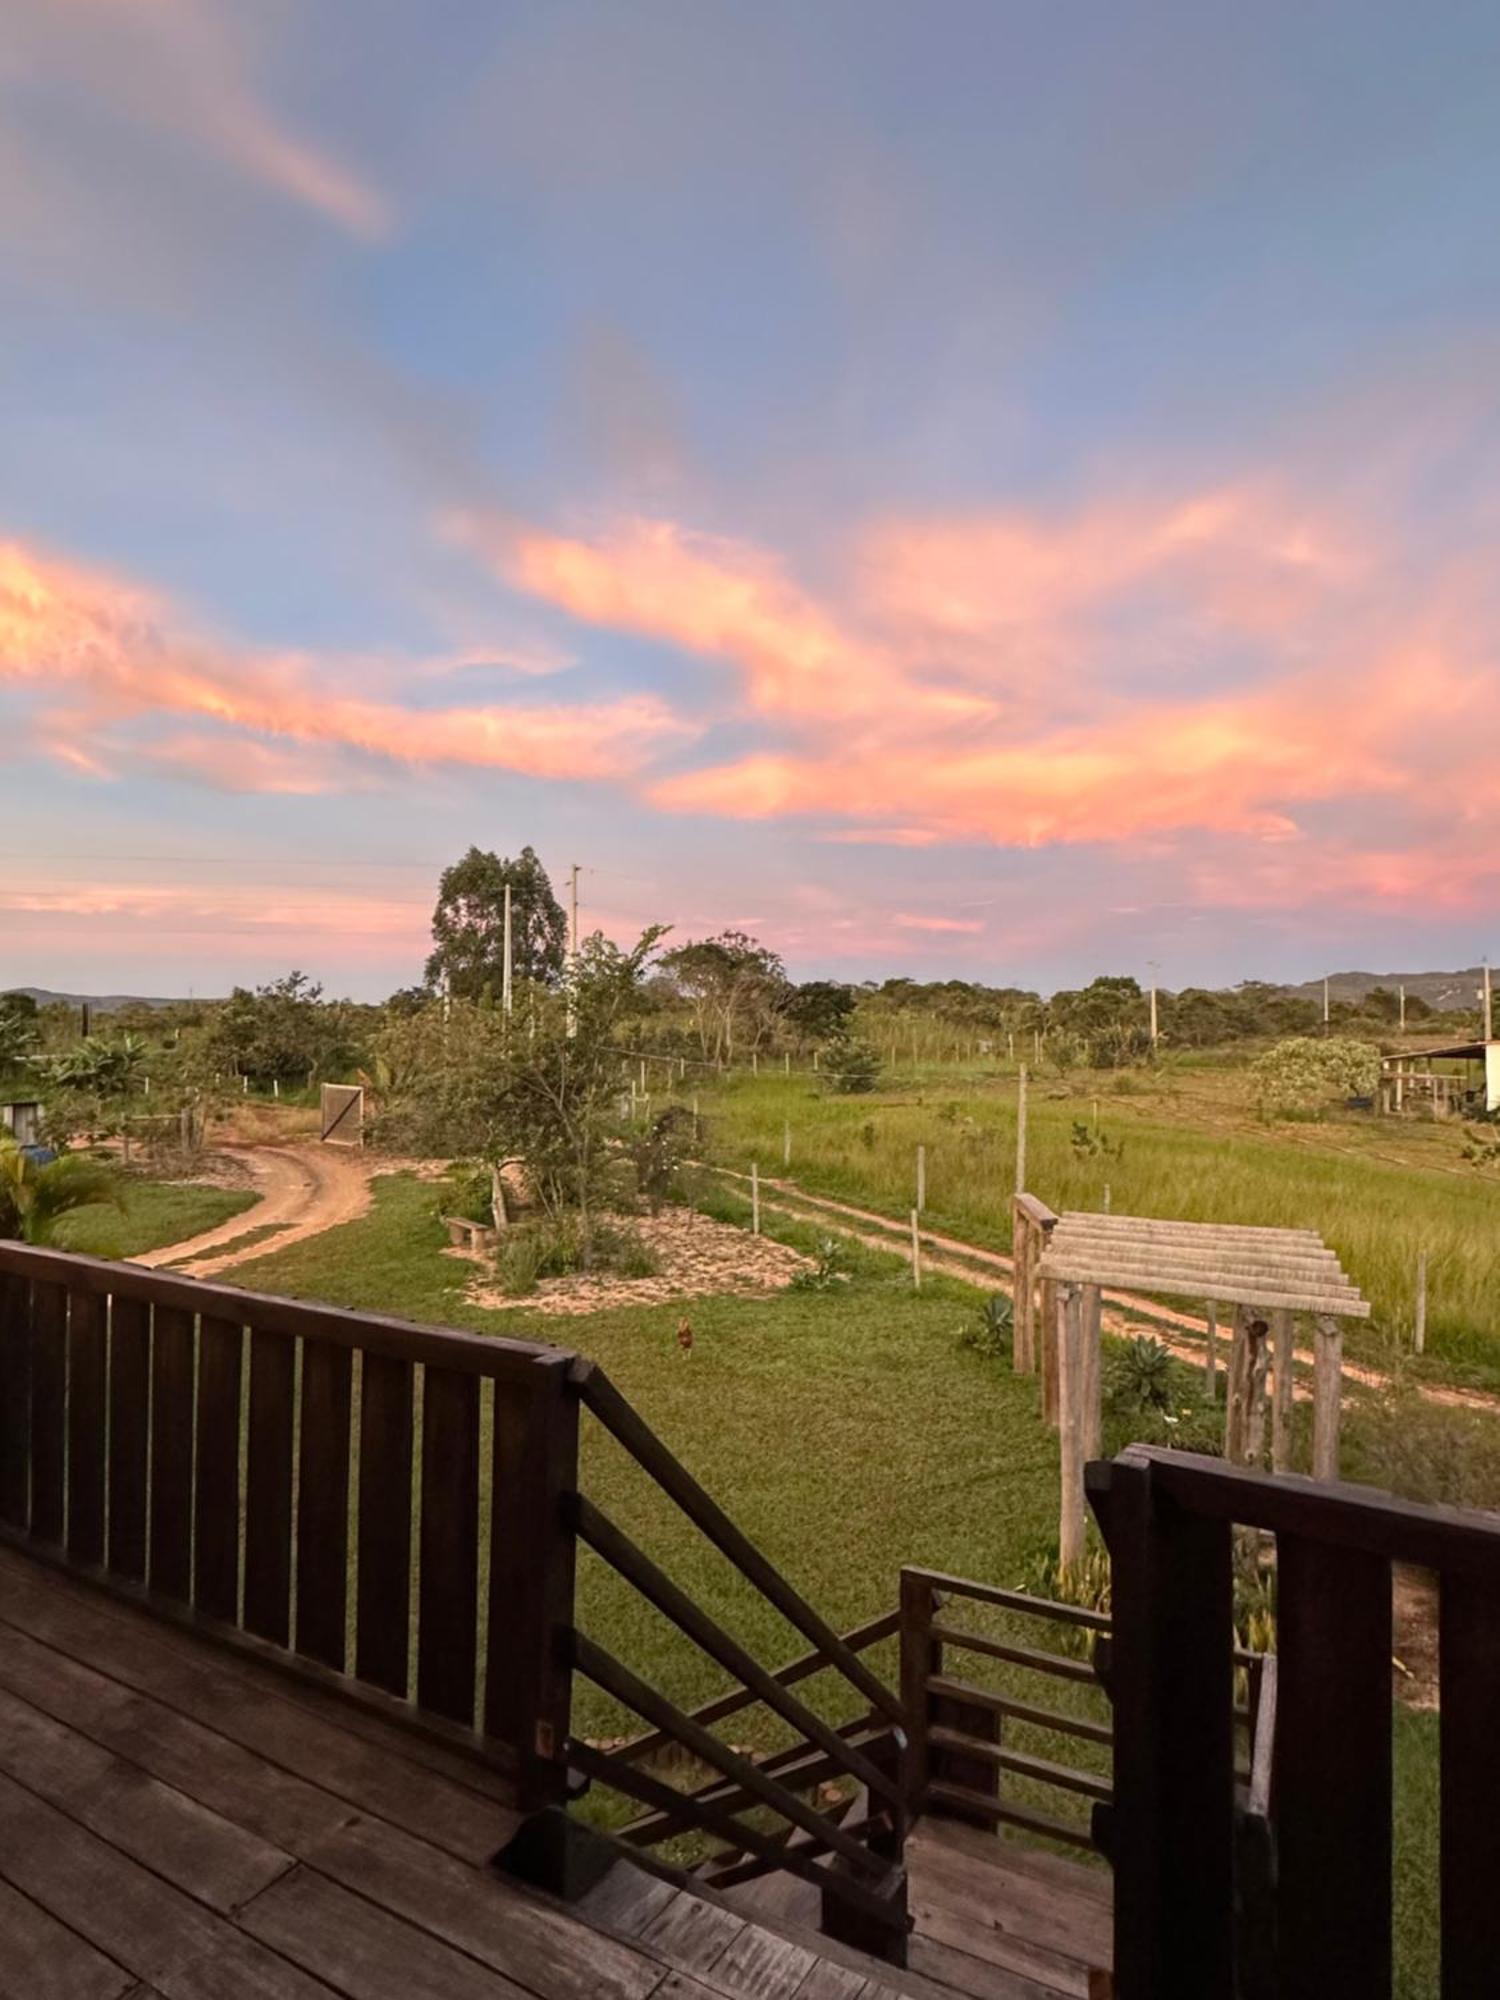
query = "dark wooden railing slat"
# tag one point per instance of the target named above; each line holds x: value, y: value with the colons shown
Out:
x: 1332, y: 1770
x: 129, y: 1423
x: 382, y: 1626
x: 448, y: 1612
x: 528, y: 1681
x: 15, y: 1399
x: 88, y: 1390
x: 49, y: 1362
x: 173, y: 1351
x: 1469, y: 1664
x: 323, y: 1503
x: 1171, y: 1685
x: 268, y: 1488
x: 216, y: 1491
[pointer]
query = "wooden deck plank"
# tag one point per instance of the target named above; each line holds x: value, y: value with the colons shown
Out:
x: 41, y: 1959
x: 541, y: 1947
x: 691, y: 1934
x: 120, y: 1908
x: 242, y: 1969
x: 230, y: 1780
x: 975, y: 1978
x: 761, y: 1966
x: 215, y: 1861
x: 186, y: 1673
x: 362, y: 1951
x: 410, y: 1745
x: 626, y: 1900
x: 993, y: 1946
x: 827, y: 1981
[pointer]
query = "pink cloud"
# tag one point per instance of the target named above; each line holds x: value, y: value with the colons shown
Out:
x: 957, y: 926
x: 96, y: 654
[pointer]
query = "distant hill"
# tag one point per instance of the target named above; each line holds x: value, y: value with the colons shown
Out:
x: 99, y: 1003
x: 1445, y: 991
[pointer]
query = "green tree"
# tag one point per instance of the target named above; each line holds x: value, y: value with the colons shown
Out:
x: 736, y: 988
x: 283, y: 1030
x: 819, y: 1009
x: 1302, y: 1075
x: 468, y: 925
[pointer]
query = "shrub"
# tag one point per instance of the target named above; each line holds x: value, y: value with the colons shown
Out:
x: 1140, y: 1376
x: 658, y: 1153
x: 987, y: 1330
x: 1424, y: 1451
x: 830, y: 1270
x: 1299, y: 1077
x: 558, y: 1247
x: 852, y: 1067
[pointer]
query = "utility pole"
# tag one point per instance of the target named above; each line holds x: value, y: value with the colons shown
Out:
x: 1401, y: 996
x: 506, y: 977
x: 572, y: 947
x: 1489, y: 1011
x: 1153, y: 1003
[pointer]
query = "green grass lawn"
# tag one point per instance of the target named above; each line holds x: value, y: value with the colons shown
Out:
x: 1185, y: 1145
x: 155, y: 1213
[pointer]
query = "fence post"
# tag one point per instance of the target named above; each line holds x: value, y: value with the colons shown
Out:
x: 528, y: 1676
x: 1170, y: 1831
x: 1070, y: 1395
x: 921, y: 1178
x: 1023, y: 1293
x: 754, y: 1199
x: 1282, y: 1344
x: 916, y: 1253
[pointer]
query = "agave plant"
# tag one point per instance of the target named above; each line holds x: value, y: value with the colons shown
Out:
x: 34, y: 1197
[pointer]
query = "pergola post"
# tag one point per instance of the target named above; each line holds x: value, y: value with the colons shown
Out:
x: 1091, y: 1371
x: 1328, y: 1371
x: 1282, y: 1346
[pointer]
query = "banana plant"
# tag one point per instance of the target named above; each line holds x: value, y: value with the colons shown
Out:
x: 34, y: 1197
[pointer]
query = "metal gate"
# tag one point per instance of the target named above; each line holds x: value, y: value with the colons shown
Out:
x: 343, y: 1120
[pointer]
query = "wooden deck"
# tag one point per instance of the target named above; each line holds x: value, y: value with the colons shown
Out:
x: 178, y: 1822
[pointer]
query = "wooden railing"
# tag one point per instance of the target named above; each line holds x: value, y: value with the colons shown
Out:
x: 350, y: 1495
x: 1169, y: 1519
x: 757, y: 1809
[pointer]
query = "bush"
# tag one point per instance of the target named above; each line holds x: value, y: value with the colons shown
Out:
x: 657, y: 1156
x: 852, y: 1067
x: 830, y: 1270
x: 1299, y: 1077
x: 988, y: 1328
x: 1423, y: 1451
x: 558, y: 1248
x: 1140, y: 1376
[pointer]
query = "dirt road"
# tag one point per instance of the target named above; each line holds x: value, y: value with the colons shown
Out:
x: 303, y: 1190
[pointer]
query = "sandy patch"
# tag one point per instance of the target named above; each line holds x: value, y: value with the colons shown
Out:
x: 699, y: 1258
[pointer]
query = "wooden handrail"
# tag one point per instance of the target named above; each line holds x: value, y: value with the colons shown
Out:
x: 600, y: 1396
x: 658, y: 1589
x: 615, y: 1678
x: 804, y: 1667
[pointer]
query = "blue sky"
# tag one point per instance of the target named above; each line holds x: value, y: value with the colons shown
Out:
x: 986, y: 489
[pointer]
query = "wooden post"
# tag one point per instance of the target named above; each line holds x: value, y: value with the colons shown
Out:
x: 916, y: 1253
x: 1328, y: 1369
x: 754, y: 1199
x: 1048, y: 1312
x: 787, y: 1062
x: 1211, y: 1362
x: 1255, y: 1417
x: 786, y: 1143
x: 1023, y: 1293
x: 1245, y: 1404
x: 1419, y: 1315
x: 1070, y: 1517
x: 1281, y: 1406
x: 1021, y: 1130
x: 921, y: 1178
x: 1091, y: 1372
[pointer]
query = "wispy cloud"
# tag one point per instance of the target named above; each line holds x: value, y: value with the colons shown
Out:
x: 97, y: 657
x: 184, y: 70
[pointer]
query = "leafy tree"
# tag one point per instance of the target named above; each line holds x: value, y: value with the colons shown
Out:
x: 819, y: 1009
x: 736, y: 988
x: 284, y: 1030
x: 468, y: 925
x: 35, y: 1197
x: 18, y: 1031
x: 101, y: 1066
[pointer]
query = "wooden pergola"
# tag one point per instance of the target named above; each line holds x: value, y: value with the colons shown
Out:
x: 1064, y: 1265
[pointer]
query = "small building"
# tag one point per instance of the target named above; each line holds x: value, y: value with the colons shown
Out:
x: 22, y: 1118
x: 1457, y: 1079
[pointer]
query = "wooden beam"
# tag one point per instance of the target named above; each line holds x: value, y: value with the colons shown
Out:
x: 1328, y: 1370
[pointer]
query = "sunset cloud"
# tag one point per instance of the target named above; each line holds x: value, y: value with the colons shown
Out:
x: 97, y: 657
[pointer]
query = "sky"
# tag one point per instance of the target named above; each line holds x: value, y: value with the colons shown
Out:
x: 974, y: 489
